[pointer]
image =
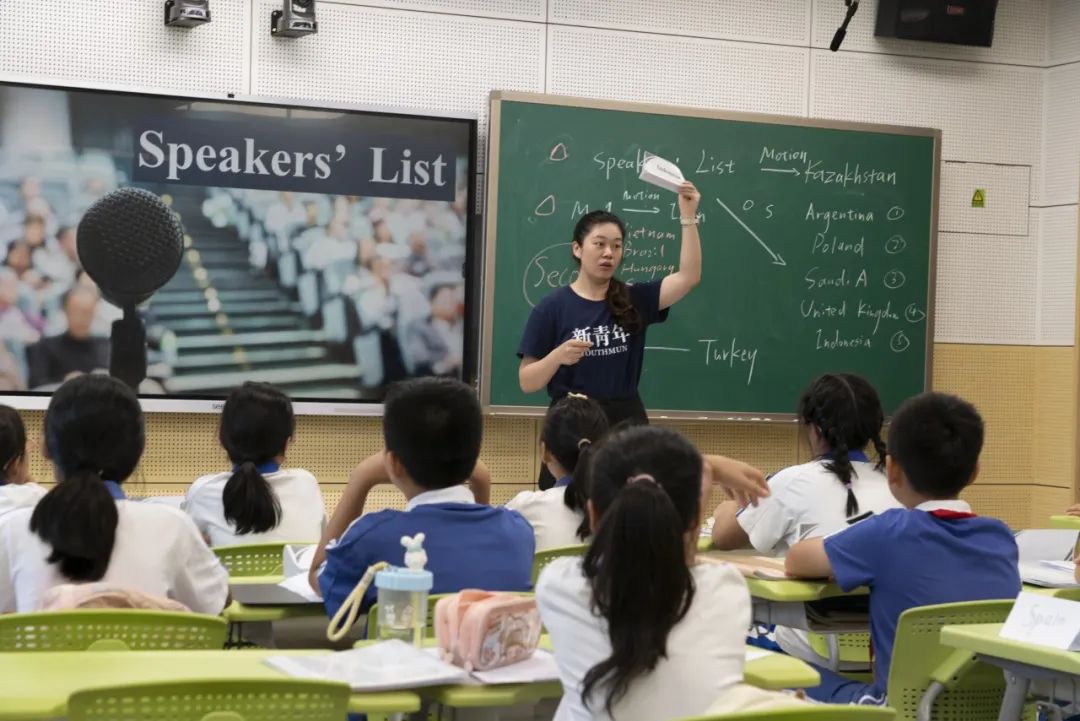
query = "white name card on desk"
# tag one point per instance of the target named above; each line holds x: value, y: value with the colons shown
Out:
x: 1045, y: 621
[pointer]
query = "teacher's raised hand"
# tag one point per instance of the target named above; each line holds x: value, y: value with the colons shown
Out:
x: 689, y: 199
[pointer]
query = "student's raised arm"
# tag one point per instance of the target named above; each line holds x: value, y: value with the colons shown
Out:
x: 674, y: 287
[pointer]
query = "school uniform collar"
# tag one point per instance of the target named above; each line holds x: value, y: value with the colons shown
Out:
x: 852, y: 456
x: 115, y: 490
x: 453, y: 494
x: 947, y: 509
x: 262, y: 468
x: 563, y: 482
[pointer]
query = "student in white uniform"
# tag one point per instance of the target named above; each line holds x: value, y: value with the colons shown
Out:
x: 571, y: 426
x: 841, y: 415
x: 641, y: 630
x: 17, y: 489
x: 84, y: 530
x: 257, y: 501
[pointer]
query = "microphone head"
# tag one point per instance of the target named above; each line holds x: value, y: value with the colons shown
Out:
x: 130, y: 244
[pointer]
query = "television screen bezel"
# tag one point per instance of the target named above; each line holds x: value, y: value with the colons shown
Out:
x: 205, y: 403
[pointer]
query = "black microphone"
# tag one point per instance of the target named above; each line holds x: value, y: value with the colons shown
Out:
x: 841, y: 33
x: 130, y: 244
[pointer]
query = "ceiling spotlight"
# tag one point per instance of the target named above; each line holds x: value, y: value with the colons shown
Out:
x: 295, y: 20
x: 187, y: 13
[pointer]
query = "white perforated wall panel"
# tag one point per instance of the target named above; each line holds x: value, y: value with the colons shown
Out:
x: 1061, y: 167
x: 989, y: 113
x: 1019, y: 34
x: 1006, y: 195
x: 986, y: 289
x: 1064, y: 44
x: 124, y: 44
x: 509, y: 9
x: 1057, y: 274
x: 771, y: 21
x: 414, y: 60
x: 699, y: 73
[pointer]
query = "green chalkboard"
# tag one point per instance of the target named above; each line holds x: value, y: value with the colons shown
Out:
x: 817, y: 238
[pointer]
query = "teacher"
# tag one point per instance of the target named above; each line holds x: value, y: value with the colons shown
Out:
x: 589, y: 337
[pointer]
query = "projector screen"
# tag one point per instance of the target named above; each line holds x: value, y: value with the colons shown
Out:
x: 328, y: 251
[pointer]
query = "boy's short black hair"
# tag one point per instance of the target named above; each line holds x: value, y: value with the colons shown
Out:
x: 936, y: 438
x: 433, y: 425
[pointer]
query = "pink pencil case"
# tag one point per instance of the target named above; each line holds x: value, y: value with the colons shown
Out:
x: 481, y: 630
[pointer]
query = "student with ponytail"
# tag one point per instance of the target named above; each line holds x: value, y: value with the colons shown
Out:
x: 589, y: 336
x: 17, y: 489
x: 841, y: 416
x: 257, y: 501
x: 85, y: 530
x: 640, y: 629
x: 571, y: 428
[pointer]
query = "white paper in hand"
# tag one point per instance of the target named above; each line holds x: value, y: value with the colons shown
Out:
x: 661, y: 172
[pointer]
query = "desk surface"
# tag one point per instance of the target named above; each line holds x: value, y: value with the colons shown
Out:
x: 1071, y: 523
x: 984, y: 639
x: 790, y: 590
x: 37, y: 685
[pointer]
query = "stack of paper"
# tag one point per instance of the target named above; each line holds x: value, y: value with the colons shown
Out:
x: 1049, y: 574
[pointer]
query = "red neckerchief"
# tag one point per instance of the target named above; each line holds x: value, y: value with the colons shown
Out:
x: 948, y: 515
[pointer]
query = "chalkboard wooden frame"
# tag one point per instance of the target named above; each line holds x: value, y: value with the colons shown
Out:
x: 497, y: 97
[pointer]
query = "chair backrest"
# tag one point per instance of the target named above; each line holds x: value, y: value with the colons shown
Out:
x: 810, y: 713
x: 976, y: 695
x: 257, y: 559
x: 213, y: 700
x: 81, y: 629
x: 853, y: 647
x: 543, y: 558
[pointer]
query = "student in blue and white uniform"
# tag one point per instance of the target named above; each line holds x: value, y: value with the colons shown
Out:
x: 84, y: 530
x: 934, y: 550
x: 17, y: 489
x: 258, y: 501
x: 432, y: 428
x: 589, y: 337
x: 841, y: 415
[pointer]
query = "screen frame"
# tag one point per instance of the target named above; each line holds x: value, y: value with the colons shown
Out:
x: 205, y: 403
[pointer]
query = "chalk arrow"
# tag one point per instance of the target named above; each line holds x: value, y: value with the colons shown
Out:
x: 776, y: 258
x: 641, y: 210
x: 789, y: 171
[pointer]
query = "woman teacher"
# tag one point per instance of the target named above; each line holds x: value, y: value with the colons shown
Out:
x: 589, y: 337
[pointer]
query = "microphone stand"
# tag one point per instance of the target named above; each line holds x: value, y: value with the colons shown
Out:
x: 127, y: 348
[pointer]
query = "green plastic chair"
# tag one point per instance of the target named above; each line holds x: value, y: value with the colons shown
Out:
x: 110, y: 630
x: 213, y: 700
x: 928, y: 681
x: 850, y: 648
x: 256, y: 559
x: 543, y: 558
x: 810, y: 713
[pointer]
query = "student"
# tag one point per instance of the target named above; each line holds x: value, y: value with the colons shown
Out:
x: 257, y: 501
x: 589, y: 336
x: 641, y: 631
x: 84, y: 529
x: 556, y: 515
x: 17, y: 489
x: 934, y: 550
x: 432, y: 429
x: 841, y: 415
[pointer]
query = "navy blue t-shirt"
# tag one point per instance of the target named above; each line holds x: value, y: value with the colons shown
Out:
x: 612, y: 367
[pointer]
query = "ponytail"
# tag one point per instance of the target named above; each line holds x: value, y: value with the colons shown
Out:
x: 576, y: 496
x: 846, y: 411
x: 622, y: 306
x: 94, y: 432
x: 641, y: 584
x: 256, y: 425
x: 78, y: 519
x: 250, y: 503
x: 645, y: 487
